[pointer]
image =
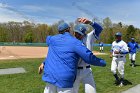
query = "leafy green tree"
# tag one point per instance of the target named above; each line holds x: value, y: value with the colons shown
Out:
x: 111, y: 36
x: 3, y: 34
x: 28, y: 38
x: 130, y: 32
x: 41, y: 32
x: 30, y: 32
x: 107, y: 25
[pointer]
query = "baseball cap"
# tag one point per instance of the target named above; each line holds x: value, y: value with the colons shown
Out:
x: 63, y: 26
x: 80, y: 28
x: 132, y: 39
x: 118, y: 34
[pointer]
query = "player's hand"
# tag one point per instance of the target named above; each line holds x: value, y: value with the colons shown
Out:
x: 84, y: 20
x: 111, y: 55
x: 116, y: 52
x: 40, y: 69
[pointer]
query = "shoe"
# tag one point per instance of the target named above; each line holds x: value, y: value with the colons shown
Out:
x: 121, y: 84
x: 117, y: 82
x: 133, y: 65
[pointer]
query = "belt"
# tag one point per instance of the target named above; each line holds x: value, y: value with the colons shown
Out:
x: 119, y: 56
x: 84, y: 67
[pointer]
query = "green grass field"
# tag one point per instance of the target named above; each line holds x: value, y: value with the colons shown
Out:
x: 30, y: 82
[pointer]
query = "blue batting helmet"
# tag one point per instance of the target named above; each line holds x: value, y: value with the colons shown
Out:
x: 63, y: 26
x: 80, y: 28
x: 118, y: 34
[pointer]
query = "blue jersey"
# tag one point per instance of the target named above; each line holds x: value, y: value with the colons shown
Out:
x: 60, y: 65
x: 132, y: 47
x: 101, y: 44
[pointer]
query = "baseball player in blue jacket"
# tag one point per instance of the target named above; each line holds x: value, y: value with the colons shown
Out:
x: 133, y: 46
x: 84, y: 72
x: 60, y: 65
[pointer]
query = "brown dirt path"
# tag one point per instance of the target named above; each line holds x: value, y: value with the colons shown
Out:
x: 18, y: 52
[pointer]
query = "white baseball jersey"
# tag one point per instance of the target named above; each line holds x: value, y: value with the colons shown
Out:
x: 85, y: 75
x: 119, y: 46
x: 118, y: 60
x: 88, y: 40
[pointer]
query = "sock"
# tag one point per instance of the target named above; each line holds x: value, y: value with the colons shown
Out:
x: 116, y: 77
x: 133, y: 62
x: 122, y: 80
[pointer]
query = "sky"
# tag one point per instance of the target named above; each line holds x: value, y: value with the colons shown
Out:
x: 51, y: 11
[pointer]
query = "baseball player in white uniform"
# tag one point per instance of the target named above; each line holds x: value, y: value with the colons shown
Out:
x: 84, y: 72
x: 101, y: 46
x: 118, y: 52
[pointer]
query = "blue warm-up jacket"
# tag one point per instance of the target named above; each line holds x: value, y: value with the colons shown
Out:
x: 60, y: 65
x: 133, y: 46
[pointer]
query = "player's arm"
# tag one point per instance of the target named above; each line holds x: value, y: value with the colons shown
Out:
x: 128, y: 45
x: 88, y: 56
x: 111, y: 52
x: 48, y: 40
x: 97, y: 28
x: 124, y: 49
x: 137, y: 46
x: 90, y: 40
x: 41, y: 67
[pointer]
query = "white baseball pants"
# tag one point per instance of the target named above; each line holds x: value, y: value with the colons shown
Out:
x: 118, y: 64
x: 54, y: 89
x: 86, y: 77
x: 132, y: 56
x: 101, y: 48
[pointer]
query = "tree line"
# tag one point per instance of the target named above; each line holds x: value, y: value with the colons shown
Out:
x: 29, y: 32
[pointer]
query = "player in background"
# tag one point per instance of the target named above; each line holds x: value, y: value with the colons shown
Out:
x: 101, y: 45
x: 133, y: 46
x: 84, y: 72
x: 118, y: 54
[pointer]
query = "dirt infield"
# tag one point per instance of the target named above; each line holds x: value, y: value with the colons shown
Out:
x: 18, y: 52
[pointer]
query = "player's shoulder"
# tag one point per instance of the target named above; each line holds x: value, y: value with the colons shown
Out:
x: 129, y: 43
x: 136, y: 43
x: 123, y: 42
x: 48, y: 37
x: 114, y: 42
x: 77, y: 41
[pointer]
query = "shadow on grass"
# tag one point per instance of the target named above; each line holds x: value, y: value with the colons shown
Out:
x: 126, y: 82
x: 135, y: 65
x: 2, y: 68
